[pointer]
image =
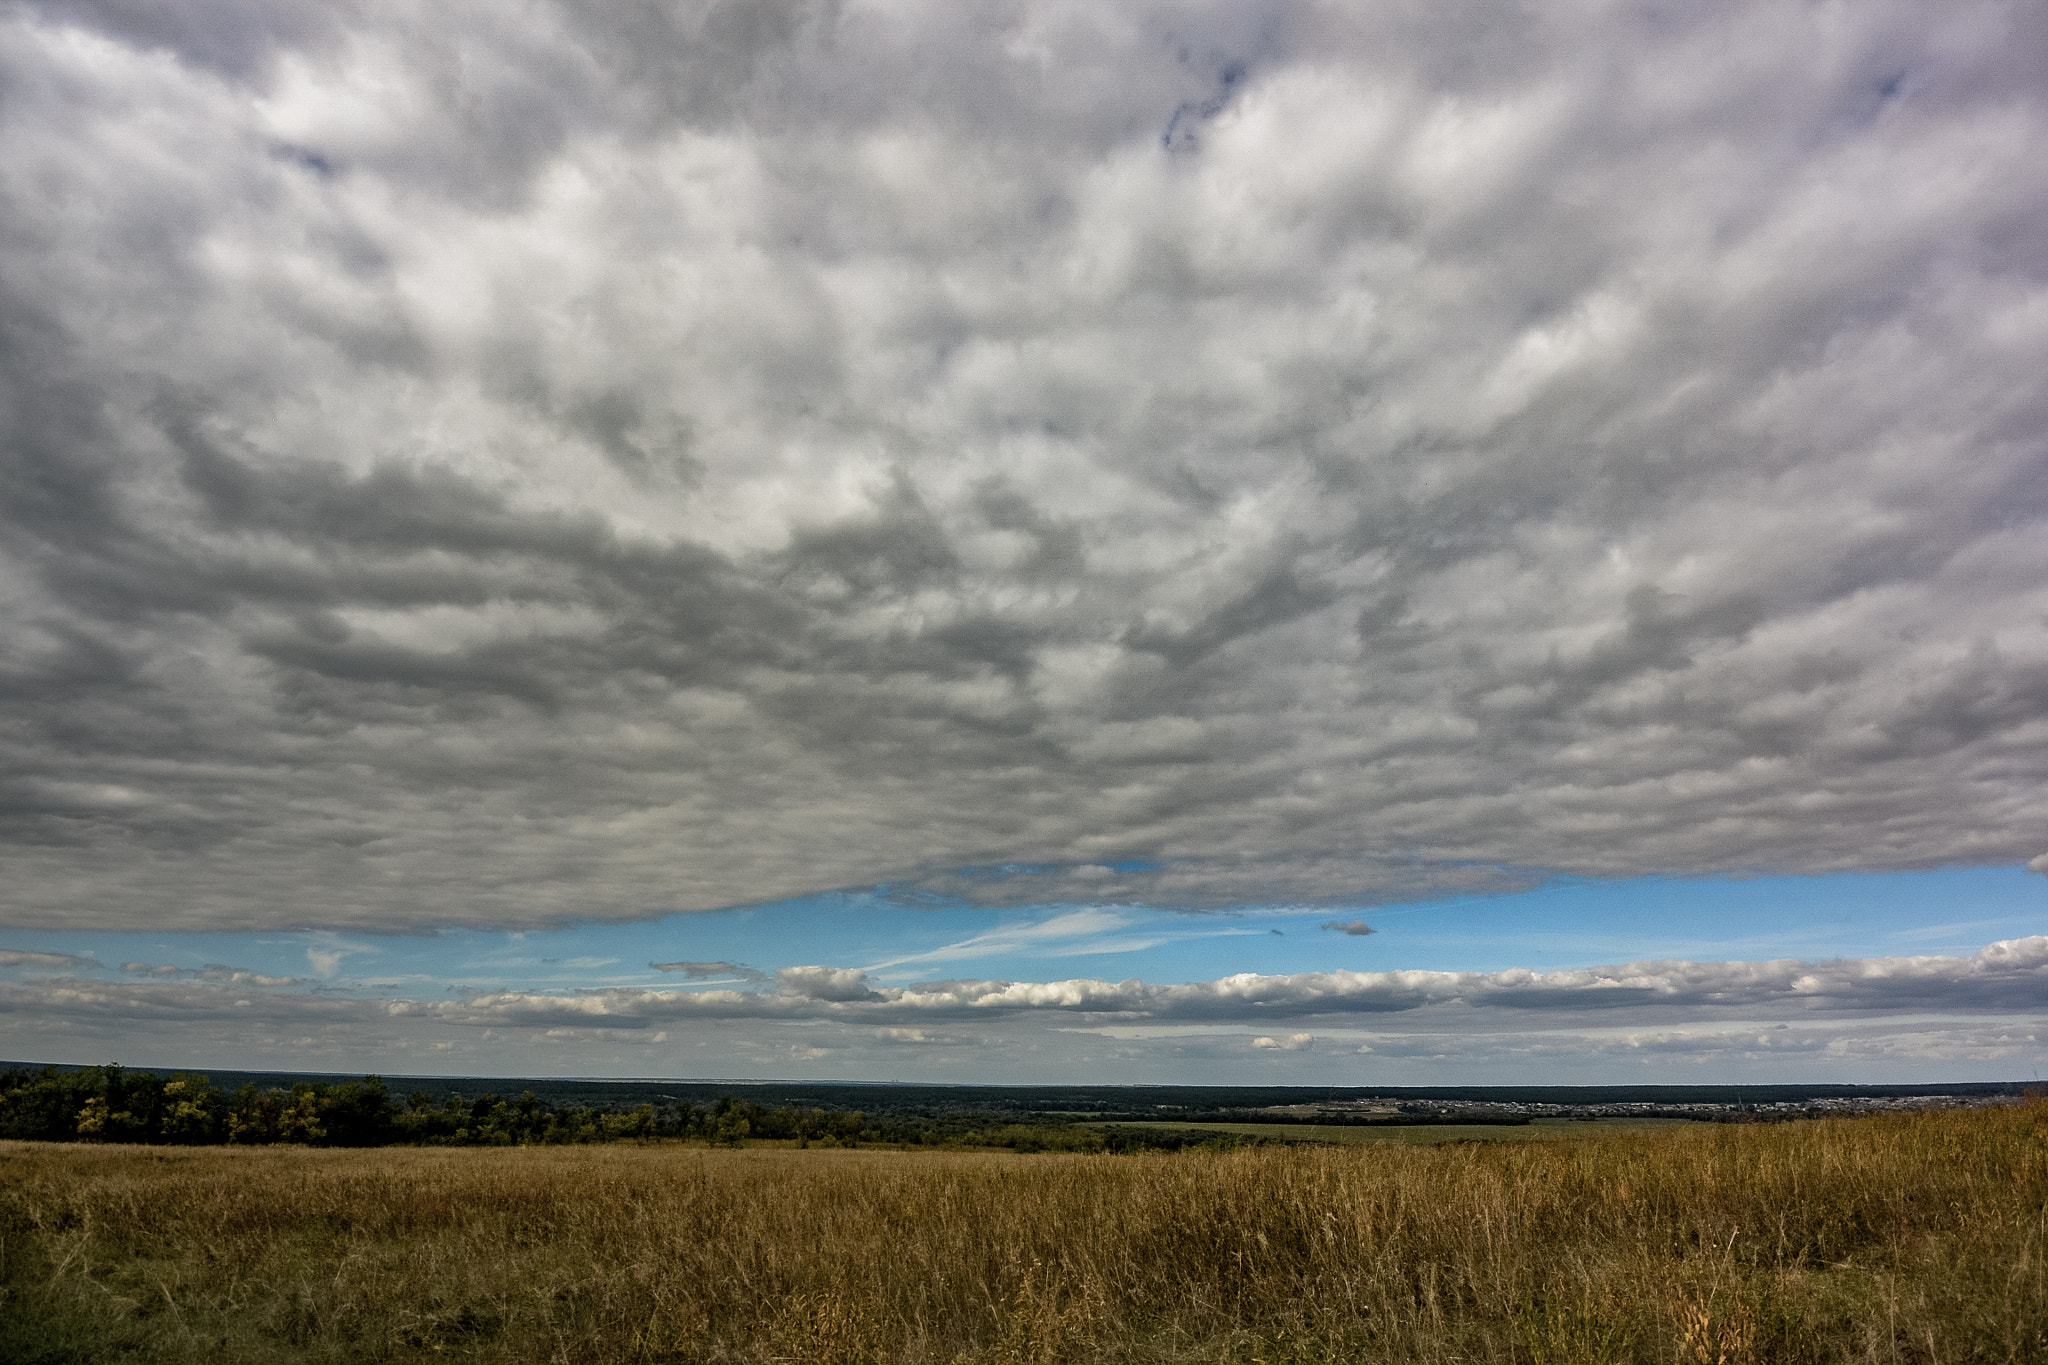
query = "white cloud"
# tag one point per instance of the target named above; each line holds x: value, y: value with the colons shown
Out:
x: 329, y: 951
x: 1291, y: 1043
x: 1074, y: 933
x: 466, y: 471
x: 2007, y: 976
x: 1904, y: 1018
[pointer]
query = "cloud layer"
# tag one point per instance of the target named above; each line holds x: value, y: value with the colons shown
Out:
x: 708, y: 971
x: 13, y: 957
x: 2007, y: 976
x: 1986, y: 1010
x: 499, y: 463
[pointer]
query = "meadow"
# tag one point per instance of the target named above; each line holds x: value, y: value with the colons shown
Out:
x: 1427, y: 1134
x: 1909, y: 1238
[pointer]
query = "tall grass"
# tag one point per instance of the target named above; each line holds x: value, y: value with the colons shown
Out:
x: 1914, y: 1238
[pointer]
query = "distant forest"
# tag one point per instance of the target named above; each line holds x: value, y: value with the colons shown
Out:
x: 113, y: 1104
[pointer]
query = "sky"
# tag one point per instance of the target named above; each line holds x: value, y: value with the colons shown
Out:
x: 1350, y: 544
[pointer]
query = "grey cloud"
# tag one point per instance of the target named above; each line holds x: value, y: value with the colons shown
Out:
x: 234, y: 37
x: 1201, y: 881
x: 1274, y: 600
x: 779, y: 448
x: 15, y: 957
x: 917, y: 1037
x: 212, y: 972
x: 126, y: 1007
x: 835, y: 985
x: 1355, y: 928
x: 705, y: 971
x: 1803, y: 1051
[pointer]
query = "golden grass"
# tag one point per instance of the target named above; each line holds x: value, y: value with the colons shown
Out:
x: 1422, y: 1134
x: 1913, y: 1238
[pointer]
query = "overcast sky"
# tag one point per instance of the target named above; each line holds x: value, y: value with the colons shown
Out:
x: 493, y: 468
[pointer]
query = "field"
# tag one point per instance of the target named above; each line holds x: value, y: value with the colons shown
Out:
x: 1912, y: 1238
x: 1413, y: 1134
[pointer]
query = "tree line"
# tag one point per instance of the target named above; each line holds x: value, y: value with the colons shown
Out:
x: 113, y: 1104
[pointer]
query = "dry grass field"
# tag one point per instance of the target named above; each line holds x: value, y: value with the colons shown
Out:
x: 1914, y: 1238
x: 1427, y: 1134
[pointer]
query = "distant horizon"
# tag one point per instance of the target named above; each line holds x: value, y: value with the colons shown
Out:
x: 1789, y: 1087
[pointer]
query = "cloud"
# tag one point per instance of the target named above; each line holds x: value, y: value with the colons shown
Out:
x: 2010, y: 975
x: 917, y: 1037
x: 212, y: 972
x: 1904, y: 1017
x: 466, y: 473
x: 2005, y: 1049
x: 1356, y: 928
x: 1292, y: 1043
x: 13, y: 957
x: 1075, y: 933
x: 329, y: 951
x: 834, y: 985
x: 706, y: 971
